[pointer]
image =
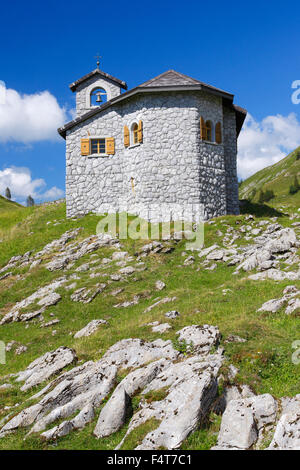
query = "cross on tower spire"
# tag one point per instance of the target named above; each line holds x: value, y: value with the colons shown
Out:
x: 98, y: 57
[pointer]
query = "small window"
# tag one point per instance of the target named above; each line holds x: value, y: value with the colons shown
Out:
x: 98, y: 146
x: 135, y: 133
x: 98, y: 97
x: 208, y: 126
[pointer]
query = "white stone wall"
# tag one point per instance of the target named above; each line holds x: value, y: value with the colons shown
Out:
x: 84, y: 90
x: 230, y: 146
x: 171, y: 166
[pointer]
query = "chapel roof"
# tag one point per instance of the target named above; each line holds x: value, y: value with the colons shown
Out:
x: 167, y: 81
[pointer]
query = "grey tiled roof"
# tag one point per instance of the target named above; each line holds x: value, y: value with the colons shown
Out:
x: 167, y: 81
x: 170, y: 77
x: 74, y: 85
x: 173, y: 78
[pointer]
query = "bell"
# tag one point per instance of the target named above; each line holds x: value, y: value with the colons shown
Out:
x: 98, y: 99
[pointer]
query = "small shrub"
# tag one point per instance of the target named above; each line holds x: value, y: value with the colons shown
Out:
x: 294, y: 188
x: 265, y: 196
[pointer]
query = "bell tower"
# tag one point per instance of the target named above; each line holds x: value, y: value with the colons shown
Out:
x: 95, y: 89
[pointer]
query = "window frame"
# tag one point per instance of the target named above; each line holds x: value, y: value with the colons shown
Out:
x: 98, y: 139
x: 210, y: 127
x: 133, y: 127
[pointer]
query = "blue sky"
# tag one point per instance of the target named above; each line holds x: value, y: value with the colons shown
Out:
x: 248, y: 48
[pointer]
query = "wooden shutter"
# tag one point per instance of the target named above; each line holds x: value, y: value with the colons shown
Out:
x: 203, y: 133
x: 110, y: 145
x: 85, y: 146
x: 126, y: 136
x: 218, y: 133
x: 140, y: 132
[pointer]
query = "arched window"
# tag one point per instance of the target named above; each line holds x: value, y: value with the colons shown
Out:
x: 98, y: 97
x: 208, y: 126
x: 135, y: 133
x: 135, y: 136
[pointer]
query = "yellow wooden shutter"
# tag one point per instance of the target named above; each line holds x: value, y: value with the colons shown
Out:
x: 110, y: 145
x: 203, y: 133
x: 140, y: 132
x: 126, y: 136
x: 218, y: 133
x: 85, y: 146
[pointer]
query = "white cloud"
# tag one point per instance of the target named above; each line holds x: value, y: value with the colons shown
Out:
x: 264, y: 143
x: 30, y: 118
x: 21, y: 184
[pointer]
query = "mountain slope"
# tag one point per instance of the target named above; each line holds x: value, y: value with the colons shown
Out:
x: 6, y: 204
x: 278, y: 178
x: 203, y: 290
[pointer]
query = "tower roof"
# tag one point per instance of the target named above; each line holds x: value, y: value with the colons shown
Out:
x: 102, y: 74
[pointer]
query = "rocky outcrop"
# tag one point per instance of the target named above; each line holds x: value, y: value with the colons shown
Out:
x: 190, y: 387
x: 86, y: 295
x: 45, y: 366
x: 90, y: 328
x: 44, y: 297
x: 290, y: 299
x: 246, y: 422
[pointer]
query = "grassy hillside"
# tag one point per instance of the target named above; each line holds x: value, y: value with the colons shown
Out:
x: 10, y: 214
x: 264, y: 360
x: 278, y: 178
x: 6, y: 204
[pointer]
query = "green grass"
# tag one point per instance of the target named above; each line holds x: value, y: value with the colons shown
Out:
x: 278, y: 177
x: 264, y: 360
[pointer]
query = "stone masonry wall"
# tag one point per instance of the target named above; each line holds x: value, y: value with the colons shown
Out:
x: 172, y: 165
x: 230, y: 141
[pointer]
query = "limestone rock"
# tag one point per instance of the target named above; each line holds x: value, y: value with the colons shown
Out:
x: 45, y: 296
x: 127, y: 270
x: 118, y: 255
x: 159, y: 302
x: 272, y: 305
x: 293, y: 305
x: 86, y: 295
x: 203, y: 338
x: 206, y: 251
x: 172, y: 314
x: 45, y: 366
x: 20, y: 350
x: 192, y: 389
x: 234, y: 339
x: 160, y: 285
x: 84, y: 386
x: 245, y: 420
x: 161, y: 328
x: 114, y: 414
x: 135, y: 352
x: 287, y: 433
x: 90, y: 328
x: 216, y: 255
